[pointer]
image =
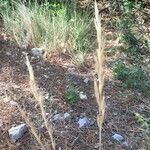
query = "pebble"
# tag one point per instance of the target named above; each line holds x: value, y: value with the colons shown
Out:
x: 61, y: 117
x: 118, y: 137
x: 1, y: 123
x: 8, y: 53
x: 85, y: 122
x: 86, y: 80
x: 17, y: 132
x: 37, y: 52
x: 13, y: 103
x: 125, y: 144
x: 82, y: 95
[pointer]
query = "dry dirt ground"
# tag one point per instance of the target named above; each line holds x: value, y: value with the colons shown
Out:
x: 53, y: 76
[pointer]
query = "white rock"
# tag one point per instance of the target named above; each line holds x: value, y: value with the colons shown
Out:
x: 8, y: 53
x: 66, y: 115
x: 1, y: 123
x: 118, y: 137
x: 82, y: 95
x: 61, y: 117
x: 71, y: 70
x: 125, y: 144
x: 86, y: 80
x: 57, y: 117
x: 13, y: 103
x: 46, y: 76
x: 37, y: 52
x: 17, y: 132
x: 59, y: 148
x: 46, y: 96
x: 85, y: 122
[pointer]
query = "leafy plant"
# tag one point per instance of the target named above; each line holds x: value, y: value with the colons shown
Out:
x: 126, y: 6
x: 135, y: 43
x: 71, y: 95
x: 132, y: 77
x: 144, y: 121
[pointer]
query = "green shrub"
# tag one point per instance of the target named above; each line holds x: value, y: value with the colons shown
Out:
x: 132, y: 77
x: 135, y: 42
x: 71, y: 95
x: 144, y: 121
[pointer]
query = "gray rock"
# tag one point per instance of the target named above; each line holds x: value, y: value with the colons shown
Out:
x: 13, y: 103
x: 85, y: 122
x: 125, y: 143
x: 8, y: 53
x: 1, y: 123
x: 118, y: 137
x: 82, y: 95
x: 66, y: 115
x: 61, y: 117
x: 17, y: 132
x: 38, y: 52
x: 86, y: 80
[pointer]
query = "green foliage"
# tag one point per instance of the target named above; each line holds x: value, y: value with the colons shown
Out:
x: 71, y: 95
x: 4, y: 4
x: 51, y: 25
x: 135, y: 46
x: 135, y: 42
x: 144, y: 121
x: 132, y: 77
x: 121, y: 71
x: 127, y: 6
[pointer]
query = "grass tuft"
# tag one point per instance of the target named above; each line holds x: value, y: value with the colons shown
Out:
x: 50, y: 25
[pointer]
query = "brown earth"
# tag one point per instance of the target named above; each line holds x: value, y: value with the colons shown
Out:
x: 53, y: 76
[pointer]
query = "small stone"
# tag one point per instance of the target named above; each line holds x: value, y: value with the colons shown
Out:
x: 17, y: 132
x: 66, y: 115
x: 85, y: 122
x: 57, y: 117
x: 13, y: 103
x: 115, y: 113
x: 37, y: 52
x: 46, y: 76
x: 118, y: 137
x: 86, y: 80
x: 7, y: 99
x: 46, y: 96
x: 61, y: 116
x: 1, y: 123
x: 82, y: 95
x: 8, y: 53
x: 59, y: 148
x: 71, y: 70
x: 125, y: 144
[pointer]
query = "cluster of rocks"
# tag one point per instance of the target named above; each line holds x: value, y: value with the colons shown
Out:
x: 17, y: 132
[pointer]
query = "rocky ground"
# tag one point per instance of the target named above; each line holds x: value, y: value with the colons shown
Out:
x: 75, y: 125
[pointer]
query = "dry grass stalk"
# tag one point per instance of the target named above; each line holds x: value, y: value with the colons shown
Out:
x: 38, y: 96
x: 99, y: 80
x: 32, y: 128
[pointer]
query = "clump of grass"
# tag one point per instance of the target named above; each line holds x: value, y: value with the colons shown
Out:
x: 51, y: 25
x: 99, y: 80
x: 71, y: 95
x: 133, y: 77
x: 144, y: 121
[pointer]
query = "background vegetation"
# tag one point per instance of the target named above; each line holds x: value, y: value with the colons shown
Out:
x: 67, y: 26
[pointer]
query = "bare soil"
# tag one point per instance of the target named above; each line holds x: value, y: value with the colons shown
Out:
x: 53, y: 76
